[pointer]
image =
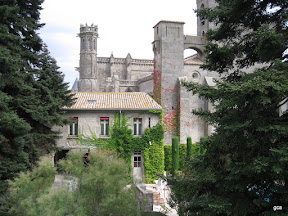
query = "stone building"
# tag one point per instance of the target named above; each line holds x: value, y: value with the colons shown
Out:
x: 159, y: 77
x: 122, y: 78
x: 94, y: 112
x: 109, y: 85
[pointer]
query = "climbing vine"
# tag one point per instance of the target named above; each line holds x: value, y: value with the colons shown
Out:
x: 122, y: 140
x: 157, y: 84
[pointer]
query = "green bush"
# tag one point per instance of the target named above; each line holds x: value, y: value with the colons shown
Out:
x: 101, y: 189
x: 196, y: 149
x: 24, y: 191
x: 189, y: 147
x: 175, y: 155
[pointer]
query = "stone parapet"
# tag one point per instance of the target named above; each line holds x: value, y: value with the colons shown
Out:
x: 144, y: 198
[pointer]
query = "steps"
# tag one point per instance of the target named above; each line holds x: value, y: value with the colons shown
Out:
x: 157, y: 199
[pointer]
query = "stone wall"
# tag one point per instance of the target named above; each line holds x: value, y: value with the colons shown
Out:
x: 89, y: 122
x: 144, y: 198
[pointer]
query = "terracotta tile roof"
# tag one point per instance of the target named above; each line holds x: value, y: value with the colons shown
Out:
x: 113, y: 101
x: 193, y: 60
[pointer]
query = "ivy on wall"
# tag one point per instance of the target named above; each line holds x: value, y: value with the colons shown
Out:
x: 157, y: 75
x: 122, y: 140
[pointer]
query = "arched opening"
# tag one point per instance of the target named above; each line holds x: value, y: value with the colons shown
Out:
x: 89, y: 44
x: 83, y: 44
x: 193, y: 55
x: 202, y: 20
x: 59, y: 155
x: 189, y: 53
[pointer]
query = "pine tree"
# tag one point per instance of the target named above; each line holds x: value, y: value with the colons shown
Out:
x: 26, y: 118
x: 244, y: 170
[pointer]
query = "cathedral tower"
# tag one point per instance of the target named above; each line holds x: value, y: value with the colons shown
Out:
x: 88, y: 59
x: 202, y: 24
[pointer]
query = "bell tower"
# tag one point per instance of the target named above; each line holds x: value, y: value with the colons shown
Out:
x: 88, y: 59
x: 202, y: 24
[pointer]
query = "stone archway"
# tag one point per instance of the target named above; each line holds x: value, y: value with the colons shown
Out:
x: 197, y: 43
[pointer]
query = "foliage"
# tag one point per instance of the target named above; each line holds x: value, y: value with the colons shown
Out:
x: 121, y: 137
x: 175, y: 155
x: 122, y: 141
x: 91, y: 140
x: 196, y: 149
x: 101, y: 189
x: 154, y: 154
x: 244, y: 170
x: 25, y: 190
x: 102, y: 184
x: 189, y: 147
x: 250, y: 32
x: 31, y: 90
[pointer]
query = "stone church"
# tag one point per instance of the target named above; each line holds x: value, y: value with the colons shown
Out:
x: 160, y: 78
x: 109, y: 85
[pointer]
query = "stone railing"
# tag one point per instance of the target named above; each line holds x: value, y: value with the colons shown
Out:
x: 144, y: 198
x: 128, y: 83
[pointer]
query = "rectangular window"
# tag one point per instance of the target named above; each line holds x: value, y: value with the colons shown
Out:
x: 137, y: 126
x: 73, y: 127
x: 104, y: 122
x: 137, y: 159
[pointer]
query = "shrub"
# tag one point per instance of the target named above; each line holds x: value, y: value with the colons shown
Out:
x: 175, y: 154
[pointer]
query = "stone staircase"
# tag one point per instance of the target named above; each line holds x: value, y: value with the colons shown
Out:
x: 157, y: 200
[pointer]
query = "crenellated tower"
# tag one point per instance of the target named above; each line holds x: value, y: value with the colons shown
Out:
x: 88, y: 59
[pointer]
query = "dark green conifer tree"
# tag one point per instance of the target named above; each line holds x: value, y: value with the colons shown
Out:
x: 26, y: 114
x: 189, y: 147
x: 175, y: 155
x: 244, y: 170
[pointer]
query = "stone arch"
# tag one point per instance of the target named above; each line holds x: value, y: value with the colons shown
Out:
x: 197, y: 43
x: 199, y: 51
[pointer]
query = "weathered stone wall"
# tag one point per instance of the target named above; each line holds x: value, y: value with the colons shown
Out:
x: 168, y: 47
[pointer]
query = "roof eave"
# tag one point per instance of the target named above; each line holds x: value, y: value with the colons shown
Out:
x: 118, y: 109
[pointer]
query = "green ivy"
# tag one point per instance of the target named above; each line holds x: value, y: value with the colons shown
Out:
x: 154, y: 153
x: 122, y: 140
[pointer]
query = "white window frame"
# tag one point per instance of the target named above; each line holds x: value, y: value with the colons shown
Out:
x: 74, y: 127
x: 137, y: 123
x: 104, y: 131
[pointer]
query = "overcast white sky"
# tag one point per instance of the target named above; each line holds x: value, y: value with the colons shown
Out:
x: 124, y: 26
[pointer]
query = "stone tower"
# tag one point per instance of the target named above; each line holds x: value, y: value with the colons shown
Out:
x: 203, y: 25
x: 168, y: 66
x: 88, y: 59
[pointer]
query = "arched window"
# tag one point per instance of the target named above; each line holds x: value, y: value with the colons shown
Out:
x: 83, y: 44
x: 89, y: 44
x: 202, y: 20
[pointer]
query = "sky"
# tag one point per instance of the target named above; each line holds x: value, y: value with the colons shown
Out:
x: 124, y: 26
